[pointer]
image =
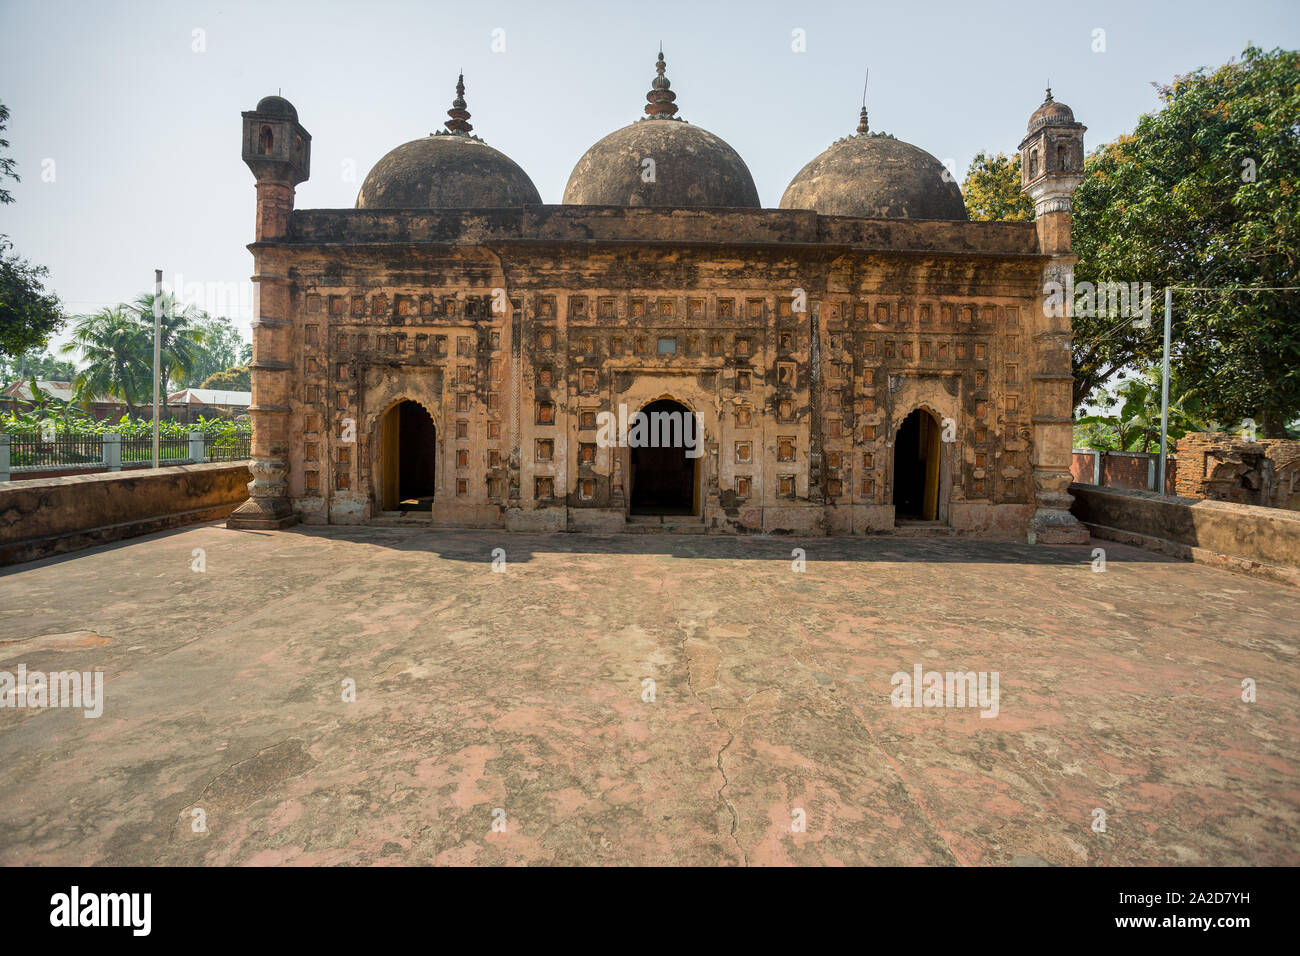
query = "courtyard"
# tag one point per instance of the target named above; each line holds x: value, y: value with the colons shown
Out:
x: 644, y: 699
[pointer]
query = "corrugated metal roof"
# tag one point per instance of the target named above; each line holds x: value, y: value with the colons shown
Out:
x: 63, y: 391
x: 209, y: 396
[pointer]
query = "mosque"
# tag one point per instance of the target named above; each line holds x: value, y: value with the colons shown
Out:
x: 862, y: 359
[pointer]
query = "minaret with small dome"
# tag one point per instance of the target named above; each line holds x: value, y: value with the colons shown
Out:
x: 278, y: 150
x: 1051, y: 156
x: 1051, y: 168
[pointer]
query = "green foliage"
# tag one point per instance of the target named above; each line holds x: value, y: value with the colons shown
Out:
x: 28, y: 314
x: 237, y: 379
x: 181, y: 336
x: 68, y: 419
x: 1131, y: 418
x: 1204, y: 193
x: 113, y: 342
x: 7, y: 163
x: 34, y: 364
x: 116, y: 344
x: 222, y: 348
x: 992, y: 189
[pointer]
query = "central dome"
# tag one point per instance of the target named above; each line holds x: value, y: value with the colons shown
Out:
x: 874, y: 176
x: 661, y: 161
x: 447, y: 170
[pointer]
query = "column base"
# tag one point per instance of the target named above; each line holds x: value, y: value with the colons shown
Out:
x: 1049, y: 526
x: 262, y: 514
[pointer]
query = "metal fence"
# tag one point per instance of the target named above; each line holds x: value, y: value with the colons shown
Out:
x: 141, y: 449
x: 37, y: 449
x: 34, y: 452
x: 227, y: 449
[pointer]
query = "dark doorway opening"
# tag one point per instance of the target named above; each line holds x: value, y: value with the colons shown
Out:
x: 410, y: 456
x: 417, y: 453
x: 663, y: 479
x: 916, y: 468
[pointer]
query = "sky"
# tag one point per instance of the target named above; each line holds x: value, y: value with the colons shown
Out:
x: 125, y: 116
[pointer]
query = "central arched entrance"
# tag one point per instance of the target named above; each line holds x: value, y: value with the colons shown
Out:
x: 663, y: 479
x: 917, y: 451
x: 410, y: 449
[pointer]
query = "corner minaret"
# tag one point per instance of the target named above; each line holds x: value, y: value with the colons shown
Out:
x: 1051, y: 168
x: 278, y: 151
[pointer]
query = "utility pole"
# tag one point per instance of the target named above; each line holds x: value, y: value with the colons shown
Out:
x: 157, y: 349
x: 1164, y: 390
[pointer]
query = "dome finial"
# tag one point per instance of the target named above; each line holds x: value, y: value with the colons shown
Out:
x: 1049, y: 92
x: 660, y: 98
x: 863, y: 125
x: 459, y: 124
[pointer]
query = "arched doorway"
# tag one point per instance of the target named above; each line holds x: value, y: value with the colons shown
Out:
x: 917, y: 454
x: 409, y: 459
x: 663, y: 479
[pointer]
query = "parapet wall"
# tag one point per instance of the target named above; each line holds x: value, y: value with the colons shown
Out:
x: 51, y: 516
x: 597, y: 224
x: 1247, y: 538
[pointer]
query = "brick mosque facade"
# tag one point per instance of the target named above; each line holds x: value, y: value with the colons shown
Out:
x: 862, y: 359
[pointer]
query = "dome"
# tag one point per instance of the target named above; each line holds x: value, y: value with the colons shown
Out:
x: 692, y: 167
x: 277, y: 106
x: 874, y: 176
x: 1051, y: 113
x: 447, y: 170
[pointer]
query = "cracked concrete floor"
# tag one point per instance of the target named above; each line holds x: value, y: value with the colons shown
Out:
x: 522, y: 692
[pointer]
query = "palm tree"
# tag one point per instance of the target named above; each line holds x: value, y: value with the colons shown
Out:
x: 112, y: 344
x: 1136, y: 427
x: 180, y: 339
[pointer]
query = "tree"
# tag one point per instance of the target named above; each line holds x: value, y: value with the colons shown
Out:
x: 113, y: 344
x: 1132, y: 419
x: 992, y: 189
x: 181, y: 338
x: 28, y: 314
x: 237, y: 379
x: 222, y: 349
x: 1204, y: 194
x: 33, y: 364
x: 7, y: 163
